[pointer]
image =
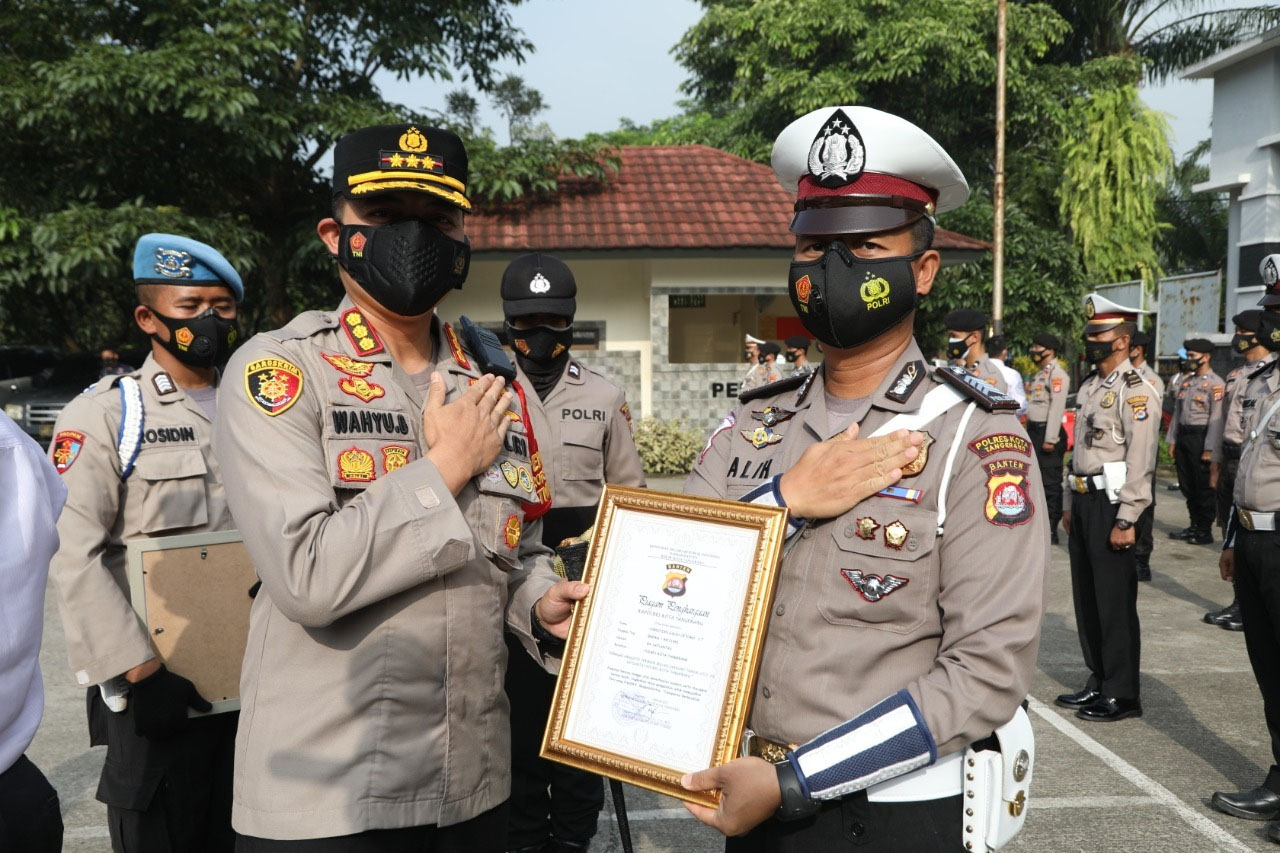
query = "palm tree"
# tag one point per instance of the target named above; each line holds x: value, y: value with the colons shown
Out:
x: 1168, y: 35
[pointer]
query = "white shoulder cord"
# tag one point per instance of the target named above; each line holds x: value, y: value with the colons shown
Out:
x: 946, y: 471
x: 1262, y: 424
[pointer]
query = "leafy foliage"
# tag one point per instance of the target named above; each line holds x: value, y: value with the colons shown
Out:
x: 1116, y: 163
x: 667, y: 448
x: 212, y: 118
x: 1196, y: 236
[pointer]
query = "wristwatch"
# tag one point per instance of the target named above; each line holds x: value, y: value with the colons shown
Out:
x: 1123, y: 524
x: 796, y: 805
x: 547, y: 641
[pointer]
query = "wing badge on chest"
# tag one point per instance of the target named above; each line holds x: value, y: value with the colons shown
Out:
x: 873, y: 587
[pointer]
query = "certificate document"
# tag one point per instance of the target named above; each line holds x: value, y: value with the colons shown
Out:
x: 662, y: 655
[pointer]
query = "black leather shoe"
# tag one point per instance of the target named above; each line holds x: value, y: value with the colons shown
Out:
x: 1144, y: 571
x: 1200, y: 537
x: 1185, y: 533
x: 1053, y: 538
x: 1227, y: 614
x: 1174, y: 487
x: 1273, y: 831
x: 1076, y: 700
x: 1233, y: 623
x: 1259, y: 804
x: 1108, y: 710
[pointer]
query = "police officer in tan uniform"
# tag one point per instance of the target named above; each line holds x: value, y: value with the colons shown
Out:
x: 1138, y: 349
x: 135, y: 453
x: 1198, y: 401
x: 966, y: 346
x: 1251, y: 553
x: 1226, y: 432
x: 583, y: 424
x: 1046, y: 403
x: 369, y: 459
x: 918, y: 597
x: 1105, y: 492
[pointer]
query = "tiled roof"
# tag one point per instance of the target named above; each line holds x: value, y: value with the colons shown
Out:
x: 663, y: 197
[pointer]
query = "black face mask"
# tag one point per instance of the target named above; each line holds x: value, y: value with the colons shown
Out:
x: 1096, y: 352
x: 1039, y: 357
x: 1269, y: 330
x: 844, y: 300
x: 203, y: 341
x: 956, y: 348
x: 407, y: 267
x: 541, y: 343
x: 1242, y: 343
x: 792, y: 357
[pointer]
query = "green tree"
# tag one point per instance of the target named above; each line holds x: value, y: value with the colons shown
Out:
x: 520, y: 103
x: 1196, y: 236
x: 212, y: 118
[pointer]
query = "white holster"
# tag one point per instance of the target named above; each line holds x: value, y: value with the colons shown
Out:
x: 1114, y: 475
x: 997, y: 785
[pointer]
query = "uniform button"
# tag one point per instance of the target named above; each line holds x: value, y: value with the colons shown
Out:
x: 782, y: 608
x: 767, y: 693
x: 856, y: 829
x: 807, y: 533
x: 912, y: 544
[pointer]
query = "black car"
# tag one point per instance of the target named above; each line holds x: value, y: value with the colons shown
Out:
x: 36, y: 408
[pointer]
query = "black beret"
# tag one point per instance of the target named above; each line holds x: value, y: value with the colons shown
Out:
x: 1249, y: 320
x: 770, y: 348
x: 538, y: 284
x: 391, y: 157
x: 966, y: 320
x: 1047, y: 341
x: 798, y: 342
x: 995, y: 343
x: 1140, y: 339
x: 1198, y: 345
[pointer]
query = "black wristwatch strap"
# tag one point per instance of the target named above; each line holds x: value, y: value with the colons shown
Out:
x: 545, y: 638
x: 1123, y: 524
x: 795, y: 805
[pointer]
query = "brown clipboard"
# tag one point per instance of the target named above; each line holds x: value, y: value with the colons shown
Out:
x: 191, y: 593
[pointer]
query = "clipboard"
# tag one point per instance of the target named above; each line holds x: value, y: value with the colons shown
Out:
x: 191, y: 593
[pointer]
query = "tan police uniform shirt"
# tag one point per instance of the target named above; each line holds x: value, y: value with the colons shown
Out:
x: 760, y: 374
x: 174, y: 488
x: 1227, y: 425
x: 1117, y: 420
x: 1258, y: 475
x: 1199, y: 398
x: 584, y: 430
x: 986, y: 370
x: 1047, y: 399
x: 1153, y: 379
x: 961, y: 630
x: 371, y: 691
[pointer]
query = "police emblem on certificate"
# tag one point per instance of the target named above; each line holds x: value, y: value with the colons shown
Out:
x: 662, y: 656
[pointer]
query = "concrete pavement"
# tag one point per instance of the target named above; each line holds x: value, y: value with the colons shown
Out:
x: 1138, y: 785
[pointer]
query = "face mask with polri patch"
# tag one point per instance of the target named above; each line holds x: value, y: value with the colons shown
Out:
x: 843, y: 300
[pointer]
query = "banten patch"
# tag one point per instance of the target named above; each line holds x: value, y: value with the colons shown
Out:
x: 273, y: 384
x: 975, y: 389
x: 902, y: 388
x: 1008, y: 499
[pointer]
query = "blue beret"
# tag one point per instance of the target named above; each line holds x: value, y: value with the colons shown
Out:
x: 169, y: 259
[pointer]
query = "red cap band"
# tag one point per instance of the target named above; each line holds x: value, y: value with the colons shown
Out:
x: 869, y: 183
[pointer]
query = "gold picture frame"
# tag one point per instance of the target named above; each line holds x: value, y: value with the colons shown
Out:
x: 632, y: 700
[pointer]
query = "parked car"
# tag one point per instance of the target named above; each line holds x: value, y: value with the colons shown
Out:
x: 36, y: 408
x: 19, y: 365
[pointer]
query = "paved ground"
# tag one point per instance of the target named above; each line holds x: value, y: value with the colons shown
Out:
x: 1140, y: 785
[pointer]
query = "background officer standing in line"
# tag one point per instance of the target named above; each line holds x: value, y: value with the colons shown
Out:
x: 798, y: 354
x: 998, y: 351
x: 1226, y: 432
x: 1045, y: 406
x: 876, y: 612
x: 1198, y: 402
x: 751, y: 353
x: 135, y: 453
x: 1145, y: 543
x: 966, y: 333
x: 583, y: 424
x: 1104, y: 494
x: 1251, y: 553
x: 369, y: 457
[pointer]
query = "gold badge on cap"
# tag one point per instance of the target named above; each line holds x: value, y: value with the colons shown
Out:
x: 412, y: 140
x: 1089, y: 310
x: 1270, y: 274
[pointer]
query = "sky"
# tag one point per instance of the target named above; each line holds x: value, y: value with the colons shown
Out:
x: 597, y: 61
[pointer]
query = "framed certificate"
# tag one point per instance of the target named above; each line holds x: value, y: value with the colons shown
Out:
x: 192, y: 594
x: 662, y: 655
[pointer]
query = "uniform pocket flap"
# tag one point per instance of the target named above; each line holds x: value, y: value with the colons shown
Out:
x: 583, y: 434
x: 900, y: 534
x: 170, y: 465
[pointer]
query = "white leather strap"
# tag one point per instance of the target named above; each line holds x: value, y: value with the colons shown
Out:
x: 936, y: 403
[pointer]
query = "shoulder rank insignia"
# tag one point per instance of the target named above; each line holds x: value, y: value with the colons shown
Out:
x: 873, y: 587
x: 575, y: 370
x: 163, y: 383
x: 772, y: 415
x: 65, y: 448
x: 349, y: 365
x: 772, y: 388
x: 761, y: 436
x: 980, y: 392
x: 1132, y: 379
x: 362, y: 335
x: 455, y: 346
x: 273, y: 384
x: 902, y: 387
